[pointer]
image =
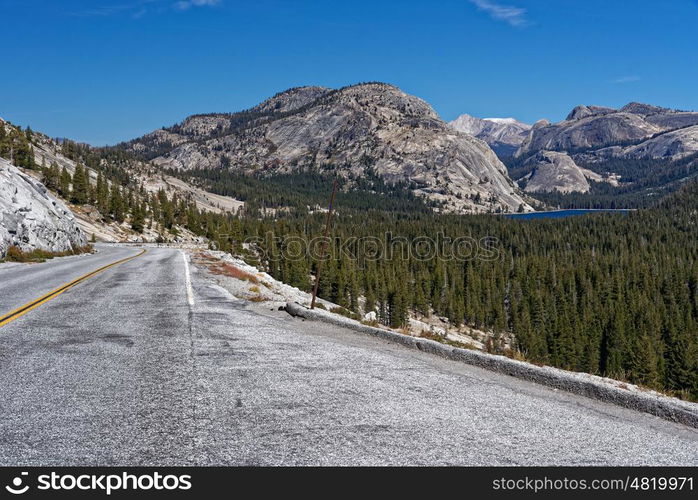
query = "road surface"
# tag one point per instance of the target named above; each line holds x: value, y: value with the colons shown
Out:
x: 122, y: 370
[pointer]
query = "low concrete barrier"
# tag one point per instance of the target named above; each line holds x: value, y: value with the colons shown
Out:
x: 576, y: 383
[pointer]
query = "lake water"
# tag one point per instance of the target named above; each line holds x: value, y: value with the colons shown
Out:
x: 561, y: 214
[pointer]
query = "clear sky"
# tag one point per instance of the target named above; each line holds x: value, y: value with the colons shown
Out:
x: 105, y: 71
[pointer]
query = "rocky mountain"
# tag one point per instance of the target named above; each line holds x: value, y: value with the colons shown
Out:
x: 555, y: 171
x: 504, y: 135
x: 626, y: 146
x: 673, y: 145
x: 368, y: 128
x: 591, y: 129
x: 201, y: 127
x: 291, y: 99
x: 31, y: 218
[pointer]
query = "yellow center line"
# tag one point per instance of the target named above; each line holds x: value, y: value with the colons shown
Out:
x: 30, y: 306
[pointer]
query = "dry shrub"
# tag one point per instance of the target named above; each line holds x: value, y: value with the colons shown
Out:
x: 15, y: 254
x: 428, y: 334
x: 344, y: 312
x: 231, y: 271
x: 514, y: 354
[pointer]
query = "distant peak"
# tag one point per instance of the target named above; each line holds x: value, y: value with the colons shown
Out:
x: 362, y: 87
x: 369, y: 84
x: 639, y: 108
x: 466, y: 118
x: 291, y: 99
x: 300, y: 90
x: 583, y: 111
x: 508, y: 120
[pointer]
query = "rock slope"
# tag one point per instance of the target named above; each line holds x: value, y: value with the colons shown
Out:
x: 600, y: 137
x: 208, y: 126
x: 372, y: 127
x: 504, y: 135
x: 672, y: 133
x: 554, y: 171
x: 673, y: 145
x: 31, y: 218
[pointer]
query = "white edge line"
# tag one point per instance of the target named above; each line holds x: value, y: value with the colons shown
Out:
x: 187, y: 280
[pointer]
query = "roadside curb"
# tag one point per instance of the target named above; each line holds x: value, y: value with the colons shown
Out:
x: 660, y: 406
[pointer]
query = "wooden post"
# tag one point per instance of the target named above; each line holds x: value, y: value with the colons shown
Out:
x: 323, y: 248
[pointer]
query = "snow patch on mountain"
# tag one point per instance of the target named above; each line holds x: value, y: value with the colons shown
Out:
x: 504, y: 135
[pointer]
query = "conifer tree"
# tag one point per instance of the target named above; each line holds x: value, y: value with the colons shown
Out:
x: 138, y: 218
x: 116, y: 204
x: 65, y: 180
x: 52, y: 177
x: 102, y: 193
x: 80, y: 194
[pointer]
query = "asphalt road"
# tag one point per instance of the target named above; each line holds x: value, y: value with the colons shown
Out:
x: 122, y: 370
x: 21, y: 283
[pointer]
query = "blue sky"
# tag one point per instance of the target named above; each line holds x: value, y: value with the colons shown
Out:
x: 105, y: 71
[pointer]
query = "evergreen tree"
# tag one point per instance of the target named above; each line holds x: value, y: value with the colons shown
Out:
x: 80, y: 193
x: 64, y: 183
x: 102, y: 195
x: 138, y: 218
x: 52, y: 177
x: 116, y: 204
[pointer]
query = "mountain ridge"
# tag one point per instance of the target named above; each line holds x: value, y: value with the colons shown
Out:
x: 623, y: 146
x: 348, y: 130
x: 504, y: 135
x: 598, y: 127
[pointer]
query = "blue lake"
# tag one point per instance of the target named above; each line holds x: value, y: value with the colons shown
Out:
x: 561, y: 214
